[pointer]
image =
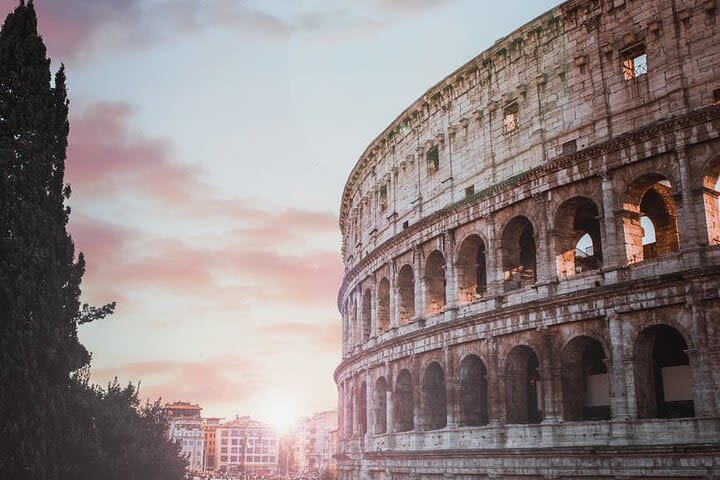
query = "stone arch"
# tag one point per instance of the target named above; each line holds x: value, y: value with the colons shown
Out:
x: 380, y: 402
x: 711, y: 200
x: 519, y: 253
x: 585, y: 380
x: 473, y: 392
x: 649, y: 220
x: 523, y: 387
x: 663, y: 375
x: 471, y: 269
x: 406, y: 294
x: 435, y: 282
x: 362, y: 409
x: 577, y: 224
x: 434, y: 397
x: 403, y: 405
x: 366, y: 315
x: 383, y: 305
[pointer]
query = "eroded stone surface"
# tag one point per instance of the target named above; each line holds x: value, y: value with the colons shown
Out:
x: 503, y: 314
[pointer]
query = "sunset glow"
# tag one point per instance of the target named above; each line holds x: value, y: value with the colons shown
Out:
x: 209, y: 145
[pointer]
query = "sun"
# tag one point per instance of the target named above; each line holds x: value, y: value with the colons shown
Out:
x: 282, y: 413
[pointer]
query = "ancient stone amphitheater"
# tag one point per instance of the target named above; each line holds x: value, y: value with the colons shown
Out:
x: 532, y: 251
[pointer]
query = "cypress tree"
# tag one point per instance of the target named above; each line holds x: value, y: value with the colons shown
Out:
x: 53, y: 423
x: 43, y: 409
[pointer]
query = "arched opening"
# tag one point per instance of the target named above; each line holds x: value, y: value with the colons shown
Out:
x: 663, y: 377
x: 651, y: 226
x: 585, y: 381
x: 354, y: 325
x: 473, y: 392
x: 434, y: 396
x: 435, y: 282
x: 711, y: 199
x: 366, y: 315
x: 383, y: 305
x: 406, y: 295
x: 578, y: 244
x: 362, y: 409
x: 519, y: 254
x: 523, y: 388
x: 403, y: 407
x: 471, y: 269
x: 380, y: 402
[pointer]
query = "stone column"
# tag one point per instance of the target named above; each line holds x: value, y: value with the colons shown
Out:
x: 550, y: 378
x: 619, y: 369
x: 393, y: 307
x: 496, y: 387
x: 613, y: 254
x: 451, y: 290
x: 373, y: 309
x: 419, y: 283
x: 390, y: 408
x: 687, y: 211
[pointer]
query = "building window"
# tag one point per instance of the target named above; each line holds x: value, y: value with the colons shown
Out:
x: 223, y: 441
x: 510, y: 119
x: 383, y: 197
x: 223, y: 458
x: 433, y: 160
x: 716, y: 96
x: 634, y: 62
x: 470, y: 191
x: 223, y: 450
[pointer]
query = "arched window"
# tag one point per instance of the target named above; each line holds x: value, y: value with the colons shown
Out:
x: 366, y: 315
x: 523, y: 388
x: 362, y: 408
x: 406, y: 295
x: 585, y: 381
x: 471, y: 269
x: 663, y: 378
x: 383, y: 305
x: 434, y: 396
x: 711, y: 197
x: 651, y: 228
x: 578, y: 245
x: 519, y: 254
x: 381, y: 388
x: 435, y: 282
x: 403, y: 406
x: 473, y: 392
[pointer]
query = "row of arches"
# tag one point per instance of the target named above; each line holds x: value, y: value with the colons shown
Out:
x: 662, y: 375
x: 647, y: 220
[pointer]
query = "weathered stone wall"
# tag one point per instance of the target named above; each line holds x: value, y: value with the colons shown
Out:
x: 591, y: 122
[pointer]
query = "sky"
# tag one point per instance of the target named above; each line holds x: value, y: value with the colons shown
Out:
x: 210, y: 142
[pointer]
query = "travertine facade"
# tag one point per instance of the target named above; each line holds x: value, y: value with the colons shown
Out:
x: 532, y: 286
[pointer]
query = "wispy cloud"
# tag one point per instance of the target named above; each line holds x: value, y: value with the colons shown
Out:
x: 79, y: 30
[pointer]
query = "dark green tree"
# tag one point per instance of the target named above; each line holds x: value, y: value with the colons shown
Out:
x: 53, y: 424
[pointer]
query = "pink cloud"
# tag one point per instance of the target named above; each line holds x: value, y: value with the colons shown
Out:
x: 208, y: 381
x: 105, y: 156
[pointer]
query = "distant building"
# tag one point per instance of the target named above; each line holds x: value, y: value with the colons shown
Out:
x: 314, y: 441
x: 244, y: 444
x: 209, y: 429
x: 186, y: 429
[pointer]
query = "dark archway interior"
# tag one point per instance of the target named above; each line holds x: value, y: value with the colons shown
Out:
x: 473, y: 392
x: 519, y: 254
x: 403, y: 405
x: 380, y: 402
x: 406, y: 295
x: 585, y: 381
x: 471, y: 269
x: 435, y: 397
x: 435, y: 283
x: 383, y: 305
x: 523, y: 388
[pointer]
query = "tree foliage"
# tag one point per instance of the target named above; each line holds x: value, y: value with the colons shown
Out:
x: 53, y: 423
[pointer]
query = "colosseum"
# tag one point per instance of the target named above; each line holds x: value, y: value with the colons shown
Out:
x: 531, y: 257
